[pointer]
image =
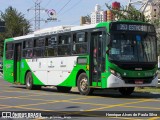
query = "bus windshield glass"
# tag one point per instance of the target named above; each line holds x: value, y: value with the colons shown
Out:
x: 131, y: 47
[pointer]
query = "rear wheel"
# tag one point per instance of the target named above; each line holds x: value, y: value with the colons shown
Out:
x: 83, y: 85
x: 126, y: 91
x: 29, y: 82
x: 64, y: 89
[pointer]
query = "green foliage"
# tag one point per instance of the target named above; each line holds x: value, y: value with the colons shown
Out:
x: 148, y: 90
x: 156, y: 23
x: 128, y: 13
x: 16, y: 25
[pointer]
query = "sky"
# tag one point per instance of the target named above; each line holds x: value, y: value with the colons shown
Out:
x: 68, y: 11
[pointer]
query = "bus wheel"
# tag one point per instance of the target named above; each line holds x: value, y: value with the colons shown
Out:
x: 64, y: 89
x: 29, y: 82
x: 126, y: 91
x: 83, y: 86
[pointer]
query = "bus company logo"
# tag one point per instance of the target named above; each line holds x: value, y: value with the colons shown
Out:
x: 6, y: 115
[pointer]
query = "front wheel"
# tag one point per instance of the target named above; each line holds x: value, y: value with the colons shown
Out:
x: 126, y: 91
x: 83, y: 85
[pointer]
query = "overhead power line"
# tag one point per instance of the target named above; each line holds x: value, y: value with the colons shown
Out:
x: 64, y: 6
x: 71, y: 7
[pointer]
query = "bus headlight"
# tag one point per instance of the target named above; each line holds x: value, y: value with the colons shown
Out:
x: 112, y: 71
x: 115, y: 73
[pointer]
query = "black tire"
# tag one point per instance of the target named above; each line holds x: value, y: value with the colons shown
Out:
x: 64, y: 89
x: 83, y: 86
x: 29, y: 82
x: 126, y: 91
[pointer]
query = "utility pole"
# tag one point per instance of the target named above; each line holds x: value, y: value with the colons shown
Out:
x: 37, y: 14
x: 37, y: 18
x: 37, y: 10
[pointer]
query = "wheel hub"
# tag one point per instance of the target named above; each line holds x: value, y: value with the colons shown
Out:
x: 84, y: 84
x: 29, y: 81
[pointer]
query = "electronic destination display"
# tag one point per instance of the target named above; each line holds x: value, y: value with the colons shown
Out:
x: 132, y: 27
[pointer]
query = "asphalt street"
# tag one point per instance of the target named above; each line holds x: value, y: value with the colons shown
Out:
x: 106, y: 104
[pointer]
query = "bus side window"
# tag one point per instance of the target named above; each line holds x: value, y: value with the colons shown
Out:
x: 9, y: 50
x: 29, y: 53
x: 46, y: 41
x: 39, y: 47
x: 64, y: 45
x: 51, y: 46
x: 79, y: 43
x: 74, y: 44
x: 28, y: 48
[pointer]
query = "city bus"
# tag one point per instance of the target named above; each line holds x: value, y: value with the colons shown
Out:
x: 116, y: 54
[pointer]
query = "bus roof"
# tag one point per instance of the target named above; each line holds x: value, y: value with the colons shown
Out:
x: 53, y: 30
x: 65, y: 28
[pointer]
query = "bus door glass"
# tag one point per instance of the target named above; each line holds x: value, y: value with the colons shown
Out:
x: 17, y: 62
x: 97, y: 56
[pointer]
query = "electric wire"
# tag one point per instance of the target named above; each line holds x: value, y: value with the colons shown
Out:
x: 71, y: 7
x: 63, y: 6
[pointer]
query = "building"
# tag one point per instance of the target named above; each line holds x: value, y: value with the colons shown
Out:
x: 110, y: 15
x: 85, y: 20
x: 98, y: 15
x: 152, y: 12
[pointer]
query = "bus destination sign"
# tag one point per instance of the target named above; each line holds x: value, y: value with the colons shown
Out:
x: 133, y: 27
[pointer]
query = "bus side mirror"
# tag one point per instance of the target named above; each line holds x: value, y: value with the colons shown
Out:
x: 107, y: 50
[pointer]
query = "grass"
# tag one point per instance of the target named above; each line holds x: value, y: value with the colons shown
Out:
x: 148, y: 89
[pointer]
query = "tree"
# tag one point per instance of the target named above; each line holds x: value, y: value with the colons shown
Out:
x: 156, y: 23
x: 15, y: 25
x: 128, y: 13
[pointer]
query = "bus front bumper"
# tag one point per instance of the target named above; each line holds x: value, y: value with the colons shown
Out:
x: 114, y: 82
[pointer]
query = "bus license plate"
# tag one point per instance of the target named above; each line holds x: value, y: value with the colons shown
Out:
x: 138, y: 81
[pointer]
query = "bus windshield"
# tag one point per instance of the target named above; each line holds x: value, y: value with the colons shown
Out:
x: 132, y: 47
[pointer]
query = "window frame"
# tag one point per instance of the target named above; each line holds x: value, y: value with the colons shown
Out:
x: 65, y: 44
x: 75, y: 40
x: 10, y: 50
x: 50, y: 46
x: 27, y: 48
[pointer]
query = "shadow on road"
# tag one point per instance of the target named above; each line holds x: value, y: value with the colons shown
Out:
x: 102, y: 93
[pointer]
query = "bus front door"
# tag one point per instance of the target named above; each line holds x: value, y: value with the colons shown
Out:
x: 17, y: 62
x: 96, y: 61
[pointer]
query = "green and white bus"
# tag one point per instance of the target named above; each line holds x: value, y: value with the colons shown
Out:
x: 120, y: 55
